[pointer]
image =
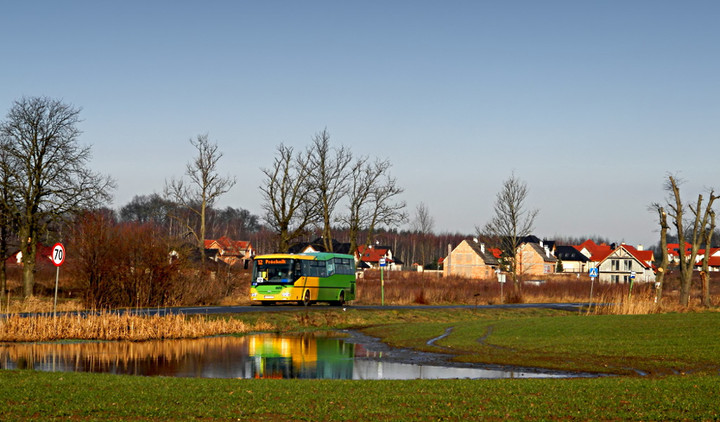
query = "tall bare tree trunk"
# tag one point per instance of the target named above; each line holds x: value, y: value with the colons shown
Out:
x: 29, y: 254
x: 706, y: 262
x: 663, y: 248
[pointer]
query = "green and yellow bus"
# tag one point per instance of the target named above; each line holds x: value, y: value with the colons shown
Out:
x: 305, y: 278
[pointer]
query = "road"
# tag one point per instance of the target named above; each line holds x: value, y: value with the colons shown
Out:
x: 208, y: 310
x: 212, y: 310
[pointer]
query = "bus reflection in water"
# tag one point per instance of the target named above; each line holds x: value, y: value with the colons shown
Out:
x: 303, y: 356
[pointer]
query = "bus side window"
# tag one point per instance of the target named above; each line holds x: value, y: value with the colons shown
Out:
x: 298, y: 270
x: 330, y: 267
x: 321, y: 269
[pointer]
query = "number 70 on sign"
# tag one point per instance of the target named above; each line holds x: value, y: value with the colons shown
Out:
x: 58, y: 254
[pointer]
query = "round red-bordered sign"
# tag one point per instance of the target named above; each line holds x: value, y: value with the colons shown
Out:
x: 58, y: 254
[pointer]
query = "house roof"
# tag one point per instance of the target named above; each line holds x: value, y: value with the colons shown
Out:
x: 373, y: 253
x: 318, y: 246
x: 634, y: 253
x: 541, y: 251
x: 569, y: 253
x: 713, y: 261
x: 489, y: 255
x: 597, y: 252
x: 228, y: 246
x: 646, y: 256
x: 43, y: 254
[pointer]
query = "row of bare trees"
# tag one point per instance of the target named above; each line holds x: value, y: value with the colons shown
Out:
x: 303, y: 190
x: 696, y: 229
x: 174, y: 218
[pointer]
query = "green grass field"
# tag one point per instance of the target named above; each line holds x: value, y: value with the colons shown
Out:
x: 681, y: 352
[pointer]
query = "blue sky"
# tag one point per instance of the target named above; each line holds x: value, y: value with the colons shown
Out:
x: 591, y: 103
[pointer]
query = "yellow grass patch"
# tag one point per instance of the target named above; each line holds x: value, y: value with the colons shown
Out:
x: 109, y: 326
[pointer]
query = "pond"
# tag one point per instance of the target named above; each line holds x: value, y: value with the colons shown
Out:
x: 312, y: 356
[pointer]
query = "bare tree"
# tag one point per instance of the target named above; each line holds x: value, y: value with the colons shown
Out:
x: 205, y: 186
x: 328, y: 178
x: 50, y: 173
x: 662, y: 269
x: 371, y: 199
x: 423, y: 226
x: 385, y: 209
x: 235, y: 223
x: 512, y: 221
x: 7, y: 219
x: 695, y: 234
x: 705, y: 274
x: 362, y: 180
x: 286, y: 192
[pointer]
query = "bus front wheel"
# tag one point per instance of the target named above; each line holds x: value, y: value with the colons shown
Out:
x: 306, y: 298
x: 340, y: 301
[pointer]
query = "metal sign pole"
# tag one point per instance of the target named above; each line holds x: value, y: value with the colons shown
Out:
x: 57, y: 276
x: 502, y: 296
x: 382, y: 287
x: 57, y: 258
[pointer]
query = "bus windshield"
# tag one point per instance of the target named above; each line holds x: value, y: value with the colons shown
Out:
x: 276, y: 271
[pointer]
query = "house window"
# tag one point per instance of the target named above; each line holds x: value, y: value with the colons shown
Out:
x: 615, y: 279
x: 615, y: 264
x: 628, y: 265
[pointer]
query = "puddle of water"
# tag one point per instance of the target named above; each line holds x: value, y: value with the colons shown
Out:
x: 256, y: 356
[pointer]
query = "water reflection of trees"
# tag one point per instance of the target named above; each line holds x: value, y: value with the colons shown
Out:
x: 264, y: 355
x: 99, y: 355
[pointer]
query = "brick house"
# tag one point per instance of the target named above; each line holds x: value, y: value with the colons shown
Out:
x: 232, y: 252
x: 534, y: 259
x: 472, y: 260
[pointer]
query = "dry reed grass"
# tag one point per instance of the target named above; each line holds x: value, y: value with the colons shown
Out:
x: 617, y: 303
x: 111, y: 326
x: 409, y: 288
x: 644, y: 303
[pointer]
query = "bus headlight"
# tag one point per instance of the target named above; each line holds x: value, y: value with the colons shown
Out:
x: 286, y: 294
x: 253, y: 294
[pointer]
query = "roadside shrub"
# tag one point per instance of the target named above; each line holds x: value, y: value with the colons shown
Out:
x: 122, y: 264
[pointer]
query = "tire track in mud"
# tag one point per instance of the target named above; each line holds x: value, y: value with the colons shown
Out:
x: 481, y: 340
x: 488, y: 332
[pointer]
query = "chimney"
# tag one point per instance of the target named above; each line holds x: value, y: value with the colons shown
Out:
x: 640, y: 247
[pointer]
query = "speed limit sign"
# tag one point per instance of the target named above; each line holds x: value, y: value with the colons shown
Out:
x: 58, y: 254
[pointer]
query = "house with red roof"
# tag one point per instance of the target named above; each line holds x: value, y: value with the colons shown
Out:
x: 674, y: 252
x: 625, y: 264
x: 594, y: 252
x: 371, y: 256
x: 713, y: 259
x: 232, y: 252
x: 43, y: 256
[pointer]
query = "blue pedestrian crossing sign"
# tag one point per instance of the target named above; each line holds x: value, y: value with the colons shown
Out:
x: 593, y: 272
